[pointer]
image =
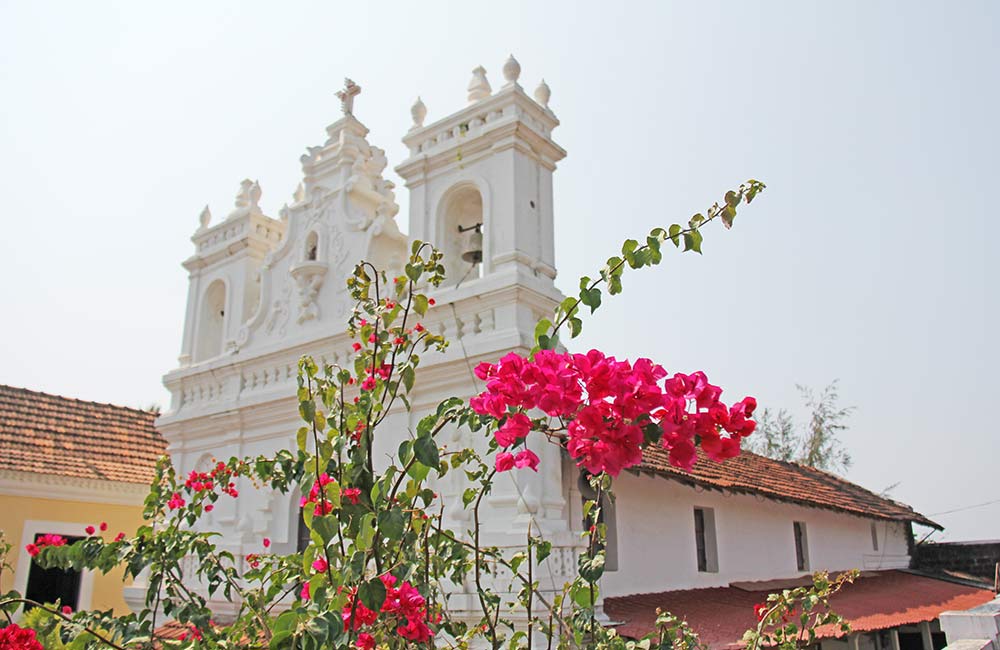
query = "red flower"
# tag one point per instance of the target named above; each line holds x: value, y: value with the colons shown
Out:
x: 67, y: 610
x: 526, y: 458
x: 209, y: 507
x: 119, y: 537
x: 418, y: 327
x: 304, y: 594
x: 103, y: 526
x: 32, y: 550
x: 365, y: 641
x: 430, y: 301
x: 175, y: 502
x: 267, y: 542
x: 504, y: 461
x: 320, y: 565
x: 356, y: 346
x: 13, y: 637
x: 90, y: 530
x: 352, y: 494
x: 760, y: 611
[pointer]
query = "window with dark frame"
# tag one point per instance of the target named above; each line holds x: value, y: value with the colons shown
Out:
x: 874, y: 537
x: 801, y: 545
x: 699, y: 539
x: 706, y: 547
x: 51, y: 585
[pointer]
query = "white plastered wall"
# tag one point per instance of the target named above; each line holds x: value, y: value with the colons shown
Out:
x: 754, y: 537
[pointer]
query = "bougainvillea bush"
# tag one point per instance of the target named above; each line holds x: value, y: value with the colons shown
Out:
x: 380, y: 563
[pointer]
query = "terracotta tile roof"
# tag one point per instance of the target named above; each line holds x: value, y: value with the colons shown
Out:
x: 876, y: 601
x: 783, y: 481
x: 48, y: 434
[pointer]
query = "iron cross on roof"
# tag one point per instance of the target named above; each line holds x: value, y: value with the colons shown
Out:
x: 347, y: 95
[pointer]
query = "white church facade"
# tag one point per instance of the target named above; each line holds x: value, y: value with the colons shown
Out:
x: 266, y: 290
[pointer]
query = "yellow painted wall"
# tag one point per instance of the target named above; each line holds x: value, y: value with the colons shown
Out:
x: 15, y: 510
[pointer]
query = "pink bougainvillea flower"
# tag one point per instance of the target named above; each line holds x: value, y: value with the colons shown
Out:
x: 119, y: 537
x: 267, y: 542
x: 526, y: 458
x: 352, y: 494
x: 13, y: 637
x: 209, y: 507
x: 356, y: 346
x: 513, y: 430
x: 320, y: 565
x: 176, y: 501
x: 304, y: 594
x: 611, y: 407
x: 67, y: 610
x: 90, y: 530
x: 365, y: 641
x: 32, y: 550
x: 103, y: 526
x: 504, y: 461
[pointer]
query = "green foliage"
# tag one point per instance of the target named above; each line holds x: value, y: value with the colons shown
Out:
x: 817, y: 444
x: 635, y: 255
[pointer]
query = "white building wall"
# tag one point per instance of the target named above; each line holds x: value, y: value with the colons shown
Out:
x: 656, y: 538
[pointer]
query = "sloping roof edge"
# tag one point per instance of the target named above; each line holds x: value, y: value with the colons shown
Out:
x: 736, y: 475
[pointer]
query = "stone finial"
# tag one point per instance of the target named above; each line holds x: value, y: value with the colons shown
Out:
x: 511, y: 70
x: 419, y: 112
x: 479, y: 87
x: 543, y: 93
x: 247, y: 199
x: 346, y: 96
x: 204, y: 218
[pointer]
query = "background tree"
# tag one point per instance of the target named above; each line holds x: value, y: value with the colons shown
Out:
x: 817, y: 444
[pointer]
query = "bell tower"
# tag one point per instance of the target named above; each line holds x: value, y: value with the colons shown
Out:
x: 481, y: 178
x: 480, y: 183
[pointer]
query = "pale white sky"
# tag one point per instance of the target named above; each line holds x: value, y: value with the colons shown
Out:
x: 873, y: 123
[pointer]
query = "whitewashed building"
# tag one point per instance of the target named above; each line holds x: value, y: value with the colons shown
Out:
x: 265, y: 290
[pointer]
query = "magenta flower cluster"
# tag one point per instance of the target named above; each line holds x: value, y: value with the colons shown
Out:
x: 610, y: 409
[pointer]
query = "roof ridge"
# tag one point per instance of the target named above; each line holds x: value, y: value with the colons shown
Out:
x: 20, y: 389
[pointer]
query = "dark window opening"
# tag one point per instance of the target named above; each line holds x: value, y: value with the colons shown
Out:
x: 302, y: 539
x: 50, y: 585
x: 699, y: 538
x: 801, y: 546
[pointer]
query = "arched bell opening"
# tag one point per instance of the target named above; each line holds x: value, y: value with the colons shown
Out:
x: 211, y: 321
x: 460, y: 234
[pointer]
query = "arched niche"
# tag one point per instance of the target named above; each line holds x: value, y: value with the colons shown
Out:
x: 310, y: 253
x: 459, y: 212
x: 211, y: 321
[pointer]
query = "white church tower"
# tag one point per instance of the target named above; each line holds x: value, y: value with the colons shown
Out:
x: 265, y: 291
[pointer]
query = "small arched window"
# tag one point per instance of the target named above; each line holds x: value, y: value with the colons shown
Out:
x: 312, y: 247
x: 211, y: 322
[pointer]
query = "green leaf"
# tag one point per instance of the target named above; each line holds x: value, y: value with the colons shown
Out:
x: 728, y: 214
x: 420, y: 303
x: 326, y: 527
x: 692, y: 241
x: 391, y: 523
x: 542, y: 550
x: 307, y: 409
x: 408, y: 375
x: 426, y: 451
x: 675, y: 231
x: 372, y: 594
